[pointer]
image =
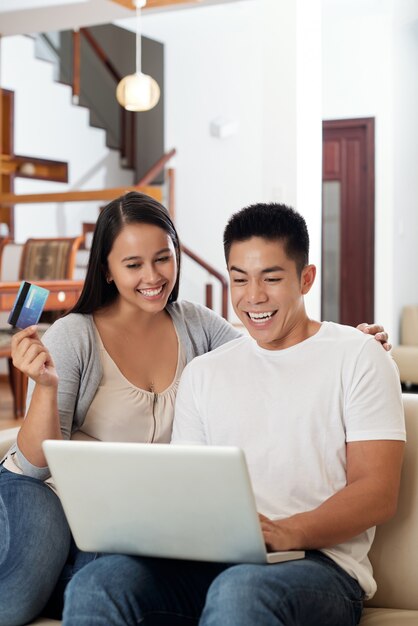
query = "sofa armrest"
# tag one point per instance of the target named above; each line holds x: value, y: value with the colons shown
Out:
x: 406, y: 358
x: 7, y: 438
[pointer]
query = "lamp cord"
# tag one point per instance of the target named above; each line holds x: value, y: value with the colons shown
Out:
x: 138, y: 6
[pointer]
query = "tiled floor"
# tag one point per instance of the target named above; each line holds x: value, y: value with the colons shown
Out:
x: 6, y: 407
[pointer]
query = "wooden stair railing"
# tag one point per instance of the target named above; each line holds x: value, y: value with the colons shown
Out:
x: 155, y: 169
x: 143, y: 186
x: 127, y: 119
x: 151, y: 190
x: 79, y: 196
x: 153, y: 172
x: 209, y: 290
x: 76, y: 64
x: 170, y: 177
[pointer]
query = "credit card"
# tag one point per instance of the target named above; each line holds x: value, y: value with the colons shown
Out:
x: 28, y: 306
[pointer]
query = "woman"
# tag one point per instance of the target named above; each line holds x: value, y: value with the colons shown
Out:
x: 109, y: 371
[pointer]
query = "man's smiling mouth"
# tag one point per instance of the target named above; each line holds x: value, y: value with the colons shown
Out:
x: 260, y: 317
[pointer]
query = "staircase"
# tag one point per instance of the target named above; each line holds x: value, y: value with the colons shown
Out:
x: 49, y: 125
x: 92, y: 61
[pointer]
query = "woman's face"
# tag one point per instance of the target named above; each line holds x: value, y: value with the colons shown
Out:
x: 143, y: 265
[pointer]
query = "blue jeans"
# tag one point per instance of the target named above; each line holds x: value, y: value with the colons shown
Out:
x: 124, y: 590
x: 37, y: 554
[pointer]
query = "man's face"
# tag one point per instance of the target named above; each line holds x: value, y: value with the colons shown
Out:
x: 267, y: 291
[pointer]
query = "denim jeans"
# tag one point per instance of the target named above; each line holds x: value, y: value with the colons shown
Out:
x: 37, y: 554
x: 124, y: 590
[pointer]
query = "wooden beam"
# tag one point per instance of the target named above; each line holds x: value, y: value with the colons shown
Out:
x: 6, y: 121
x: 32, y: 167
x: 6, y: 147
x: 76, y: 59
x: 79, y: 196
x: 13, y: 165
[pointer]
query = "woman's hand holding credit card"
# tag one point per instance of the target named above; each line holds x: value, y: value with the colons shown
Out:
x: 29, y: 354
x: 28, y: 306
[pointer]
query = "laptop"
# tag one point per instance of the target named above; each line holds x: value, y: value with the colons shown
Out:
x: 171, y: 501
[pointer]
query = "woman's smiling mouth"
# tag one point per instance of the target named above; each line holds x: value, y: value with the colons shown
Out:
x: 152, y: 293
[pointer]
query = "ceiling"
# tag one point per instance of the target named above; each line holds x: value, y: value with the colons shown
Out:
x: 31, y: 16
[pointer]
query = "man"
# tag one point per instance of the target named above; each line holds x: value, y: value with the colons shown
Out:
x: 317, y: 410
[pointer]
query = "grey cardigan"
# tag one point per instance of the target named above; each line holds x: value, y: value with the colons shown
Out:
x: 72, y: 343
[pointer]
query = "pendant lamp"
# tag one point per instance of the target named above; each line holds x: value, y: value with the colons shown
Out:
x: 138, y: 92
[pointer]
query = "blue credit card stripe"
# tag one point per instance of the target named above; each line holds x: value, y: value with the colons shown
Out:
x: 14, y: 316
x: 29, y: 304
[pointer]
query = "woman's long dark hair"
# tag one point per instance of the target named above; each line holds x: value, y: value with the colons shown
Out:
x: 132, y: 208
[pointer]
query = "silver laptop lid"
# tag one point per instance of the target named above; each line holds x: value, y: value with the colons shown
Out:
x: 174, y: 501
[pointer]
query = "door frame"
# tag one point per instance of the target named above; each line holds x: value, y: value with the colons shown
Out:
x: 367, y: 126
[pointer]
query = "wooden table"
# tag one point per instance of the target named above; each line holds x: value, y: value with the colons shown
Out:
x: 63, y: 295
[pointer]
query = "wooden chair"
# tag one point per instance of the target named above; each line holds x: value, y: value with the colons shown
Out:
x: 41, y: 259
x: 49, y: 258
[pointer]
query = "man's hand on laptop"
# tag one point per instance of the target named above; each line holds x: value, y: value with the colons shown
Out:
x: 278, y: 535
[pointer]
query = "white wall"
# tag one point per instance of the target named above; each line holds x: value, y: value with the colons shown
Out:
x: 405, y: 132
x: 212, y: 70
x: 244, y: 62
x: 255, y: 63
x: 370, y: 70
x: 309, y: 134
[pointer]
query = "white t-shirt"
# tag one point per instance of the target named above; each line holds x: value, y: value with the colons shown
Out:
x: 292, y: 411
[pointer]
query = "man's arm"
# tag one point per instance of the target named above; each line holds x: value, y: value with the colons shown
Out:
x: 370, y: 498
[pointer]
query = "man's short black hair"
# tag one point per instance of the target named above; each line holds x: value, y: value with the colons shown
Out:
x: 273, y: 222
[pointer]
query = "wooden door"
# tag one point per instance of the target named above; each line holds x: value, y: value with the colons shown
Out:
x: 348, y: 221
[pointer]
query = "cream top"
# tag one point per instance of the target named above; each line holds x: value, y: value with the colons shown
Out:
x: 122, y: 412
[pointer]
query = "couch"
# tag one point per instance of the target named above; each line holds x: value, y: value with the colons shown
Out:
x: 394, y: 553
x: 406, y: 354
